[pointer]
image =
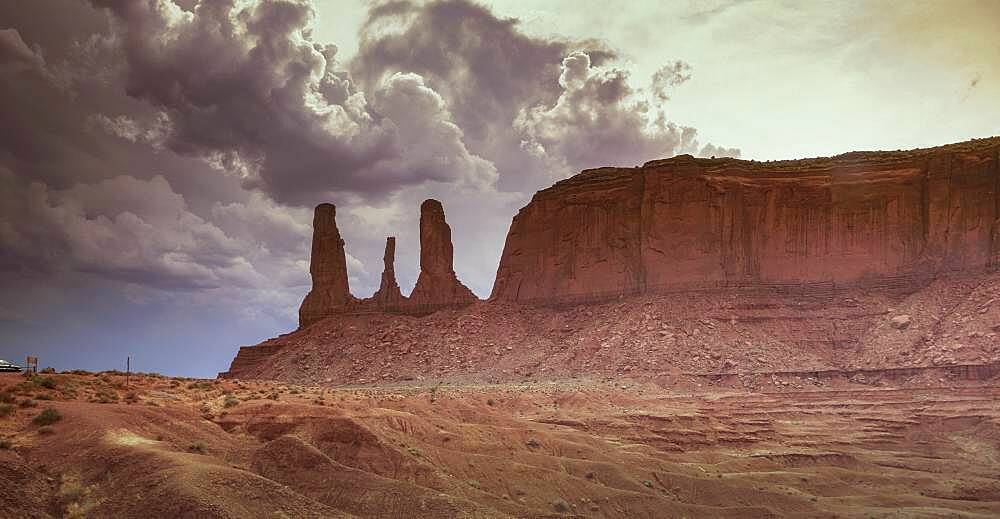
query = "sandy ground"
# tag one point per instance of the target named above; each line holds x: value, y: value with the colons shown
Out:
x: 167, y: 447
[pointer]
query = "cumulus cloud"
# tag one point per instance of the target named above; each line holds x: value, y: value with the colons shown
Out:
x: 140, y: 232
x: 246, y: 88
x: 601, y: 119
x: 668, y: 77
x: 512, y: 94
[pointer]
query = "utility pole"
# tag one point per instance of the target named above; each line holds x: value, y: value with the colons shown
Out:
x: 128, y: 368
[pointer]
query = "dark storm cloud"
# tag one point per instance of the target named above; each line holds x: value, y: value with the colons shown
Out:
x: 247, y: 89
x: 498, y: 81
x: 483, y: 66
x: 15, y: 54
x: 143, y: 232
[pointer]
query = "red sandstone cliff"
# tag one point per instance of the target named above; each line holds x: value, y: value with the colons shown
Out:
x: 864, y: 218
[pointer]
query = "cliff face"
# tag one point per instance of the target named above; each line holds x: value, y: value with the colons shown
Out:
x: 878, y: 218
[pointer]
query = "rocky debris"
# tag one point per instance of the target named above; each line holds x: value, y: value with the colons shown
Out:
x: 685, y: 223
x: 388, y: 295
x: 437, y: 285
x: 653, y: 336
x: 328, y: 267
x: 900, y: 322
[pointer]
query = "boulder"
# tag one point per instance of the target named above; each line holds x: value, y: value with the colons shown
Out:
x: 901, y: 322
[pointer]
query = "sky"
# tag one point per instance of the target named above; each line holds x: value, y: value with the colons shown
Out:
x: 159, y: 159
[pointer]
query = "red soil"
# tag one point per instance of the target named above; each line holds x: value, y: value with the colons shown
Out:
x: 627, y: 450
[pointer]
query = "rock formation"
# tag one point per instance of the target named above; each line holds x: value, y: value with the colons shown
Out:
x: 388, y: 296
x: 862, y: 253
x: 863, y: 218
x: 330, y: 292
x: 437, y: 284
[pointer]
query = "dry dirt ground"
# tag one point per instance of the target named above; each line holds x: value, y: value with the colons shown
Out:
x: 167, y: 447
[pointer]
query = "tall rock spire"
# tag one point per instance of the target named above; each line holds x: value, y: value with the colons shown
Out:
x: 388, y: 295
x: 328, y: 267
x: 437, y: 284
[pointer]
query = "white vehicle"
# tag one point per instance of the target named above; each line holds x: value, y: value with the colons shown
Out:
x: 7, y: 366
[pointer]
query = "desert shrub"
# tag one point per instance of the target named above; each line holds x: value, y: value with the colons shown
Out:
x: 71, y: 490
x: 46, y: 382
x: 273, y: 396
x: 46, y: 430
x: 43, y: 396
x: 6, y: 410
x: 79, y: 372
x: 26, y: 403
x: 131, y: 397
x: 49, y: 370
x: 197, y: 447
x: 5, y: 444
x: 48, y: 416
x: 7, y: 397
x: 23, y: 388
x: 230, y: 401
x: 105, y: 396
x: 74, y: 497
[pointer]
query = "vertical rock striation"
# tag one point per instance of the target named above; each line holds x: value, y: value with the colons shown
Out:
x: 862, y: 218
x: 388, y: 296
x: 437, y: 285
x: 330, y: 292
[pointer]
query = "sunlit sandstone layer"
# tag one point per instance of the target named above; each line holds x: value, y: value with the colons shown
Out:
x: 862, y: 218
